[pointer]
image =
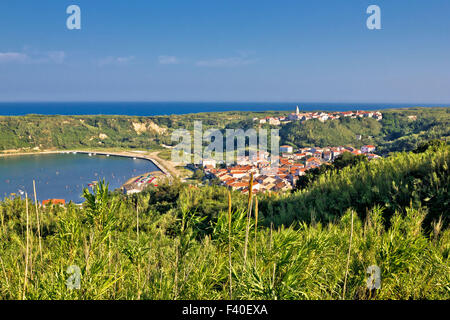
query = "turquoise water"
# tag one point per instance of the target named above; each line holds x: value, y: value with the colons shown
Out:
x: 63, y: 176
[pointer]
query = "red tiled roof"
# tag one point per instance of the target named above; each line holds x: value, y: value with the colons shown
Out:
x: 230, y: 181
x: 54, y: 201
x: 239, y: 184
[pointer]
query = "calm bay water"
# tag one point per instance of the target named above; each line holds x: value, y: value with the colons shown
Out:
x: 63, y: 176
x: 167, y: 108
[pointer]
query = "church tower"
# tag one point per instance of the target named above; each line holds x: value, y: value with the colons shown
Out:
x: 297, y: 111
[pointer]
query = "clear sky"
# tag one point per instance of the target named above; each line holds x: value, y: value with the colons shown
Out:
x: 233, y: 50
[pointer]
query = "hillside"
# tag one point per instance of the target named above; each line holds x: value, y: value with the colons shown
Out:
x: 400, y: 130
x: 36, y: 132
x: 39, y: 132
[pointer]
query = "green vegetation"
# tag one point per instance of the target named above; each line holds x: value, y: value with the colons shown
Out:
x: 400, y: 130
x: 26, y: 133
x: 182, y: 242
x: 69, y: 132
x: 331, y: 133
x: 404, y: 130
x: 344, y: 160
x: 418, y: 180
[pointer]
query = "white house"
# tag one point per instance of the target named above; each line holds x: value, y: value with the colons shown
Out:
x: 209, y: 162
x: 368, y: 149
x: 274, y: 121
x: 287, y: 149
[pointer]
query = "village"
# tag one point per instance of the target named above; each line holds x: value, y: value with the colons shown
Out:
x: 321, y: 116
x: 283, y: 177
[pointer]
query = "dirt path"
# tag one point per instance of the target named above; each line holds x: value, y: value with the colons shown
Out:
x: 170, y: 166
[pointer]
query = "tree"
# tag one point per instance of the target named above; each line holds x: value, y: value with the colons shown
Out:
x: 348, y: 159
x: 434, y: 144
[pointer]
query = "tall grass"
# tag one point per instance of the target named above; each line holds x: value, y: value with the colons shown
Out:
x: 230, y: 263
x: 249, y: 214
x: 306, y: 262
x: 348, y: 258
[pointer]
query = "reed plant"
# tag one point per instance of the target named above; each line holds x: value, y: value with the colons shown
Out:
x: 249, y: 214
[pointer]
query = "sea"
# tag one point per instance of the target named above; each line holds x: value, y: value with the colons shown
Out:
x: 168, y: 108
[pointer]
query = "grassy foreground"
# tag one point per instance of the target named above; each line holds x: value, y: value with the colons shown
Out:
x: 127, y: 250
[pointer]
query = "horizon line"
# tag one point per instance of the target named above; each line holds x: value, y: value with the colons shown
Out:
x: 228, y: 101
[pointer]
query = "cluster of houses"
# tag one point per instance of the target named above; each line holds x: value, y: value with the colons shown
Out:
x: 291, y: 165
x: 321, y: 116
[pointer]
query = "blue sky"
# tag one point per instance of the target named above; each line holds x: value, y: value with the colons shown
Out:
x: 234, y: 50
